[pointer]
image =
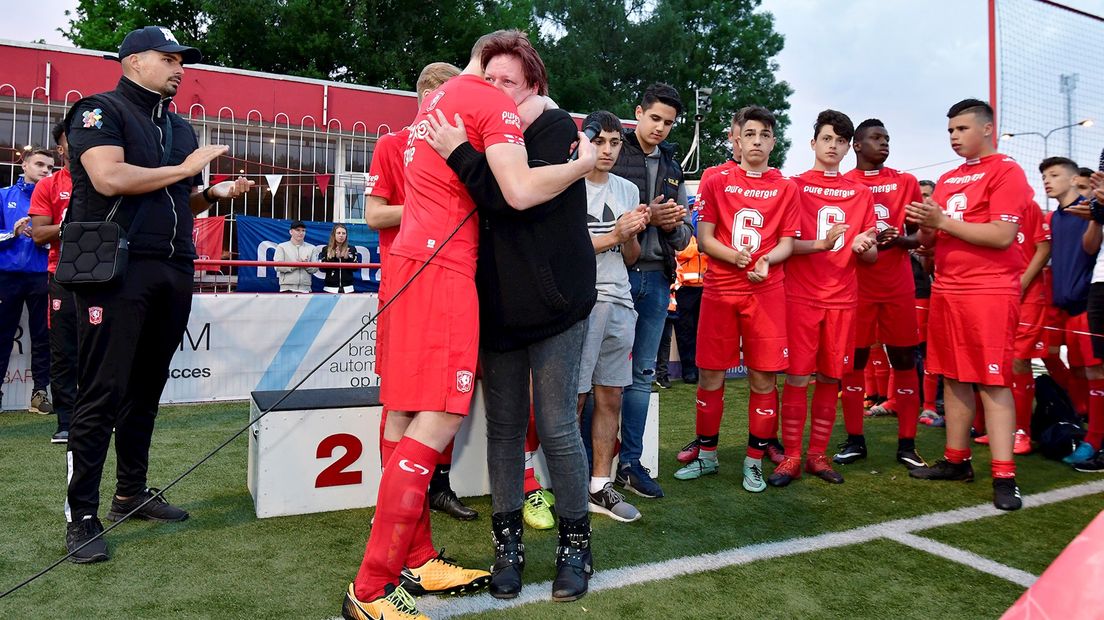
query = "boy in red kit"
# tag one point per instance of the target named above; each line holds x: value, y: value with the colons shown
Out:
x: 385, y: 193
x: 1033, y: 241
x: 887, y: 300
x: 971, y: 221
x: 433, y: 337
x: 748, y: 223
x: 838, y: 224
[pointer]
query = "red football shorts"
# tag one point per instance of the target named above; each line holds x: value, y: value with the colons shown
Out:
x: 1072, y: 331
x: 970, y: 337
x: 821, y: 339
x: 432, y: 339
x: 758, y: 319
x: 890, y: 323
x: 1030, y: 337
x: 922, y: 311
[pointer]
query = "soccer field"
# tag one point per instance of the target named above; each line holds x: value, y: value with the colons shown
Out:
x: 880, y: 545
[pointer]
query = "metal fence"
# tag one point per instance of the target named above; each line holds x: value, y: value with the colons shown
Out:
x: 320, y: 170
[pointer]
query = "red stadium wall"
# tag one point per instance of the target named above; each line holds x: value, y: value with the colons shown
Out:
x: 24, y: 67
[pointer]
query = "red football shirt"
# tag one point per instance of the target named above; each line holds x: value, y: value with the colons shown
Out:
x: 51, y: 198
x: 712, y: 170
x: 829, y: 279
x: 386, y: 180
x: 436, y: 200
x: 891, y: 276
x: 990, y: 189
x: 1034, y: 229
x: 749, y: 210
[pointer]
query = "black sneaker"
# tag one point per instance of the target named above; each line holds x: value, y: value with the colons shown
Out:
x: 851, y: 450
x: 945, y: 470
x: 663, y: 382
x: 1006, y: 495
x: 60, y: 437
x: 638, y: 479
x: 81, y: 540
x: 446, y: 501
x: 156, y: 510
x: 1095, y: 465
x: 690, y: 377
x: 910, y: 458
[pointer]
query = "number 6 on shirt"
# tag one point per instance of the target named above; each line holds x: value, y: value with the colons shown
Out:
x: 827, y: 217
x: 744, y: 233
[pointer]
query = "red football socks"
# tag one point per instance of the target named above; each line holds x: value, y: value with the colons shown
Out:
x: 710, y: 409
x: 956, y: 456
x: 399, y: 508
x: 1003, y: 469
x: 931, y: 389
x: 852, y: 401
x: 1023, y: 393
x: 1096, y: 413
x: 762, y: 420
x: 824, y: 416
x: 794, y: 412
x: 906, y: 385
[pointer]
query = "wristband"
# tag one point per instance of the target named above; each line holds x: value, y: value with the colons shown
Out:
x: 207, y: 196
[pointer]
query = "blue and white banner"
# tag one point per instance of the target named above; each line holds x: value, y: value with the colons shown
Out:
x: 257, y: 238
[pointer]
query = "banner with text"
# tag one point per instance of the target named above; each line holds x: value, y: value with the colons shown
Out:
x: 257, y: 238
x: 239, y: 343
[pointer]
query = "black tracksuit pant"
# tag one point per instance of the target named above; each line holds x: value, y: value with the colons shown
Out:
x: 128, y: 334
x: 18, y: 288
x: 63, y: 352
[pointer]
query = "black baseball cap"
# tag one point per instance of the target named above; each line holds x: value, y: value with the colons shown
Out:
x: 296, y: 224
x: 155, y: 38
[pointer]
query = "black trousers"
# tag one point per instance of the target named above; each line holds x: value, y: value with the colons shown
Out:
x: 18, y: 289
x: 127, y: 337
x: 663, y: 355
x: 63, y: 352
x: 688, y: 300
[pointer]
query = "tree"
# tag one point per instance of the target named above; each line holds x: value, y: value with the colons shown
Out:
x: 603, y: 57
x: 599, y: 55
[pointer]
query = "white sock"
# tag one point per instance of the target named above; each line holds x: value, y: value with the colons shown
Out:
x: 707, y: 455
x: 748, y: 462
x: 529, y: 460
x: 598, y: 483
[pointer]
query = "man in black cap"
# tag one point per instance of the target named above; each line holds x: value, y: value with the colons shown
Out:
x: 295, y: 250
x: 135, y: 163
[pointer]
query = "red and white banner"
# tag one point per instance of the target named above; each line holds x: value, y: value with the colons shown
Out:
x: 207, y: 233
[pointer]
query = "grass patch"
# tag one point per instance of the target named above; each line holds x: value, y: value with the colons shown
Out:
x: 1045, y: 532
x: 225, y: 563
x: 877, y: 580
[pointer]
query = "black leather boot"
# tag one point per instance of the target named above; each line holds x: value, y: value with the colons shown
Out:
x: 573, y: 561
x: 506, y: 528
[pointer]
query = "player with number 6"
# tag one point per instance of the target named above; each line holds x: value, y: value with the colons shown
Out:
x: 749, y: 219
x: 975, y: 303
x: 822, y: 296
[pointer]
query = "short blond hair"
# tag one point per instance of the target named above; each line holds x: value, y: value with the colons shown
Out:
x: 434, y: 75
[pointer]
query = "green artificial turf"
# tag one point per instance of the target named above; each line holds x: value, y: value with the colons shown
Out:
x: 1041, y: 533
x: 225, y: 563
x: 879, y: 579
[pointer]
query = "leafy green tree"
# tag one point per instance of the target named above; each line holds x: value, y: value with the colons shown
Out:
x: 599, y: 55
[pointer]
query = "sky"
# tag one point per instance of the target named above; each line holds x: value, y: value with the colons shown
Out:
x: 904, y: 62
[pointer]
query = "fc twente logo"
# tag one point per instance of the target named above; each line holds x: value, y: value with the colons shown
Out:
x: 464, y: 381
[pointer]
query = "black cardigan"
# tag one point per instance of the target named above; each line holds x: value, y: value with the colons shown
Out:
x: 536, y: 267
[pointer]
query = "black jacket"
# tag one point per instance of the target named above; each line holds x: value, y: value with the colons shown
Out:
x: 336, y: 278
x: 657, y: 247
x: 139, y: 121
x: 536, y: 268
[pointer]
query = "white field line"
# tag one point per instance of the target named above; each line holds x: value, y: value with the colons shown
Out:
x: 968, y: 558
x: 441, y: 608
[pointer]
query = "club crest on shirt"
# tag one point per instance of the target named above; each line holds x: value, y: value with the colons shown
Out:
x: 95, y: 315
x: 93, y: 119
x: 994, y: 369
x: 464, y: 381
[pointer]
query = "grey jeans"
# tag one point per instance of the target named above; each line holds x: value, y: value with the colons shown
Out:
x: 554, y: 365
